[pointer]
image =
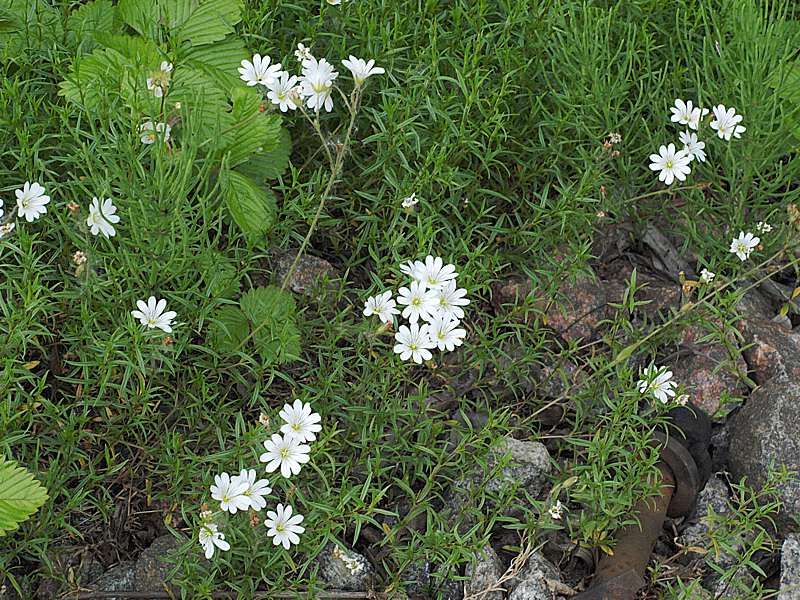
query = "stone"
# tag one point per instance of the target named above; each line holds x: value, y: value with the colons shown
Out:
x: 512, y: 290
x: 120, y: 578
x: 770, y: 349
x: 153, y: 567
x: 529, y: 465
x: 342, y: 569
x: 696, y: 538
x: 578, y: 309
x: 766, y: 431
x: 790, y: 569
x: 538, y: 579
x: 708, y: 371
x: 310, y: 273
x: 483, y: 574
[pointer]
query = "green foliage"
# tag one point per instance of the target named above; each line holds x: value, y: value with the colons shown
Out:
x: 252, y: 207
x: 20, y: 495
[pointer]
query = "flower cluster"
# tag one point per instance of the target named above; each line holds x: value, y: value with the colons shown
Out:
x: 672, y: 163
x: 245, y: 492
x: 313, y: 87
x: 658, y: 382
x: 432, y: 304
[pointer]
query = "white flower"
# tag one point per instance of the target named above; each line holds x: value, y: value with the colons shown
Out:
x: 744, y: 245
x: 254, y: 490
x: 672, y: 164
x: 302, y: 53
x: 7, y: 228
x: 102, y: 217
x: 149, y: 131
x: 412, y: 200
x: 362, y: 69
x: 763, y: 227
x: 258, y: 71
x: 726, y: 123
x: 209, y: 536
x: 159, y: 82
x: 280, y: 91
x: 1, y: 208
x: 418, y: 300
x: 414, y: 269
x: 682, y: 400
x: 300, y: 422
x: 692, y: 147
x: 657, y: 381
x: 685, y: 114
x: 614, y: 138
x: 445, y: 333
x: 284, y: 527
x: 707, y: 276
x: 286, y: 452
x: 414, y: 342
x: 334, y: 2
x: 556, y: 511
x: 31, y: 201
x: 450, y: 299
x: 152, y: 314
x: 382, y: 305
x: 228, y: 491
x: 435, y: 273
x: 317, y: 82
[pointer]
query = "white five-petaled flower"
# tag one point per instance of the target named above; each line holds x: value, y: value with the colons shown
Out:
x: 726, y: 123
x: 300, y: 421
x: 450, y: 299
x: 657, y: 381
x: 414, y: 342
x: 209, y: 537
x: 284, y: 527
x: 7, y: 228
x: 280, y: 91
x: 255, y: 489
x: 436, y: 274
x: 361, y: 69
x: 707, y: 276
x: 31, y: 201
x: 159, y: 82
x: 556, y: 510
x: 228, y: 491
x: 419, y: 301
x: 317, y: 82
x: 286, y: 452
x: 763, y: 227
x: 687, y: 114
x: 258, y: 71
x: 148, y: 132
x: 410, y: 201
x: 302, y: 53
x: 692, y: 147
x: 744, y: 245
x: 672, y: 164
x: 382, y: 305
x: 446, y: 333
x: 101, y: 217
x: 152, y: 314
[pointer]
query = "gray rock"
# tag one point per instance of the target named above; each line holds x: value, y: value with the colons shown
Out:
x: 713, y: 496
x: 772, y: 351
x: 309, y: 274
x: 152, y: 568
x: 529, y: 466
x: 117, y: 579
x: 344, y: 569
x: 767, y: 432
x: 483, y: 574
x: 790, y: 569
x: 539, y: 579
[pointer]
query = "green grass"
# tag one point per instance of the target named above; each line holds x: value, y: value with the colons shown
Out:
x: 494, y: 113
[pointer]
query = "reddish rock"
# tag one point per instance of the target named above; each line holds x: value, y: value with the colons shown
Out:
x: 771, y: 350
x: 512, y: 290
x: 578, y: 310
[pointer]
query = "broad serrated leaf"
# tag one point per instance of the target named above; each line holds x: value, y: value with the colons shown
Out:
x: 209, y: 22
x: 219, y: 61
x: 177, y: 11
x: 252, y: 131
x: 87, y: 20
x: 271, y: 312
x: 252, y: 207
x: 141, y: 15
x: 20, y: 495
x: 269, y: 164
x: 219, y: 274
x: 204, y: 102
x: 92, y: 77
x: 229, y: 327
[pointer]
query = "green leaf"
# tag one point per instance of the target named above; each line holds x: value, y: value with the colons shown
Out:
x: 218, y: 273
x: 141, y: 15
x: 252, y: 131
x: 271, y: 312
x: 210, y: 22
x: 20, y: 495
x: 218, y: 61
x: 228, y: 328
x: 251, y: 206
x: 269, y: 164
x: 88, y: 19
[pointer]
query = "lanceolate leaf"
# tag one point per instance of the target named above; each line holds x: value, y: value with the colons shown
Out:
x: 20, y: 495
